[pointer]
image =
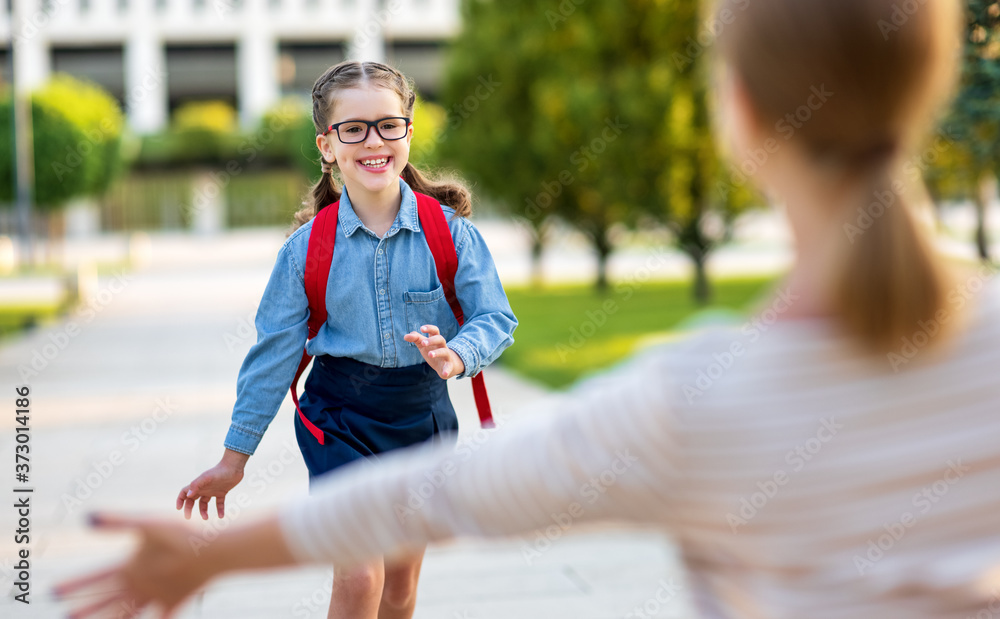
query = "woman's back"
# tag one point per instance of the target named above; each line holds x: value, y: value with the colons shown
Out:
x: 820, y: 483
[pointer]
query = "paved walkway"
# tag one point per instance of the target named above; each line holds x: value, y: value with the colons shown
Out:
x: 131, y: 399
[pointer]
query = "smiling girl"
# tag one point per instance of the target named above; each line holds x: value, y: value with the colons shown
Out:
x: 390, y: 338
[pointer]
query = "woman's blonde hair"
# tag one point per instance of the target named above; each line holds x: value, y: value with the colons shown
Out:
x: 351, y: 74
x: 888, y: 73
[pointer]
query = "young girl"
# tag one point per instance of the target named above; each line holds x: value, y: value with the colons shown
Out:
x: 844, y: 462
x: 370, y: 390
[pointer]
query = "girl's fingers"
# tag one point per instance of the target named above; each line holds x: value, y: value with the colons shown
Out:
x: 182, y: 496
x: 220, y: 505
x: 430, y: 329
x: 188, y: 506
x: 435, y: 341
x: 203, y: 507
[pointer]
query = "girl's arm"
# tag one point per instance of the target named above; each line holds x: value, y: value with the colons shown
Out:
x: 264, y: 378
x: 489, y: 320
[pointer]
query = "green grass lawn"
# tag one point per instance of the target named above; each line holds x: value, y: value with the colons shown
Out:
x: 568, y: 331
x: 14, y: 318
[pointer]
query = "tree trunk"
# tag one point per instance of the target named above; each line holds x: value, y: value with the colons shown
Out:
x: 985, y: 196
x: 603, y: 248
x: 537, y: 246
x: 702, y: 289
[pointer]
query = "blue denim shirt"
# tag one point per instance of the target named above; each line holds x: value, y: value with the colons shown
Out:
x: 379, y: 290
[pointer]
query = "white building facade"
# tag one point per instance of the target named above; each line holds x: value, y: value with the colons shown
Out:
x: 156, y: 54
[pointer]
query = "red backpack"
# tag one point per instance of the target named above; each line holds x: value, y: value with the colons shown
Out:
x: 317, y: 273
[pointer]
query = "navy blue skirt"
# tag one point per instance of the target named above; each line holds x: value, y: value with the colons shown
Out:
x: 364, y: 410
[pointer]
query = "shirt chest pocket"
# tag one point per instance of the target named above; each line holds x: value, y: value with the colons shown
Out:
x: 430, y: 308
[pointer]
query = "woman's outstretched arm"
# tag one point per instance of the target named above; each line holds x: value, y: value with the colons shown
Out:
x: 610, y: 453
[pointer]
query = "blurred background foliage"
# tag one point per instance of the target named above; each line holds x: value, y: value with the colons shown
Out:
x: 589, y: 114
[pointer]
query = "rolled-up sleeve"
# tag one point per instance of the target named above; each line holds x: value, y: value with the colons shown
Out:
x: 489, y: 321
x: 267, y: 371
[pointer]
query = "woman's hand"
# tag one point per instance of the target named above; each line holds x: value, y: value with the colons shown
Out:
x: 215, y: 482
x: 166, y: 568
x: 434, y: 349
x: 164, y: 571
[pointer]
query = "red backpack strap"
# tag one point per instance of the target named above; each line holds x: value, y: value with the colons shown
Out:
x: 319, y: 256
x: 442, y: 246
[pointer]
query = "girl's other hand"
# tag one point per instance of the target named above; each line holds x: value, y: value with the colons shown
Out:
x: 215, y: 482
x: 434, y: 349
x: 164, y: 571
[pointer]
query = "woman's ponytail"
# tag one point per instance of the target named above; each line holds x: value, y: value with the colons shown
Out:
x: 889, y: 283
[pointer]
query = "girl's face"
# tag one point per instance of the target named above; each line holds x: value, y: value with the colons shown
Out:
x: 370, y: 168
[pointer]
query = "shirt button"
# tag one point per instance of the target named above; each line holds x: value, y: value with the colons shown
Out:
x: 382, y: 291
x: 380, y: 251
x: 388, y: 335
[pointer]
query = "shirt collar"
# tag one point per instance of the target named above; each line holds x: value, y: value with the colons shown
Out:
x: 406, y: 218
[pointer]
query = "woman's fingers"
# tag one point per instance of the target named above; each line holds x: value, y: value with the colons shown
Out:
x: 220, y: 506
x: 203, y: 506
x: 126, y: 607
x: 71, y: 586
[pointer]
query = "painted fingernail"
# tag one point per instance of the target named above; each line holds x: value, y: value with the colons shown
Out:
x: 431, y: 354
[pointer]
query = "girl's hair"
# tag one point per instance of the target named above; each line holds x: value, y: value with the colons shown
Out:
x: 857, y: 87
x: 352, y: 74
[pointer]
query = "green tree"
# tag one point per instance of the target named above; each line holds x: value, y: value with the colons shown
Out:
x: 972, y: 159
x: 581, y: 110
x: 76, y: 130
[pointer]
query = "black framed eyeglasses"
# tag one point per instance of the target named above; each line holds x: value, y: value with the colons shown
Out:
x: 355, y: 131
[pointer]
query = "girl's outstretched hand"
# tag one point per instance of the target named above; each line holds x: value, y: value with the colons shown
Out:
x: 164, y: 571
x: 434, y: 349
x: 215, y: 482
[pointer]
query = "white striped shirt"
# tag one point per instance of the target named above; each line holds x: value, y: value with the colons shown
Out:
x: 800, y: 479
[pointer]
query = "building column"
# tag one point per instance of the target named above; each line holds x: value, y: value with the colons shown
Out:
x: 146, y: 101
x: 256, y: 65
x: 32, y: 60
x: 368, y: 43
